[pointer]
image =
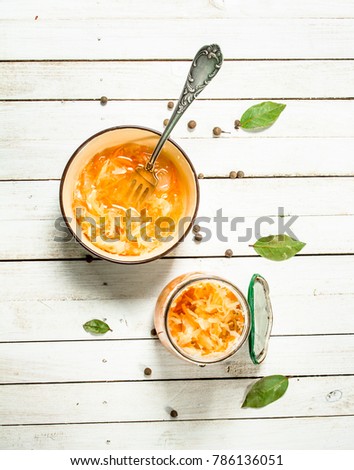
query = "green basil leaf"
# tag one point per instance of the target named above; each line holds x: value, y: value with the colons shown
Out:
x: 261, y: 115
x: 266, y: 391
x: 278, y: 247
x: 97, y: 327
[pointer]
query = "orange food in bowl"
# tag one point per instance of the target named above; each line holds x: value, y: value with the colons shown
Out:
x: 205, y: 318
x: 101, y: 201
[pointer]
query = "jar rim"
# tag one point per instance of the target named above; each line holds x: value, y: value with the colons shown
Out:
x: 245, y: 310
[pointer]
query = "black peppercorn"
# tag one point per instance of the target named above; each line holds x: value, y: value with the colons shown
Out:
x: 165, y: 122
x: 240, y: 174
x: 233, y: 174
x: 153, y: 332
x: 200, y: 176
x: 147, y: 371
x: 229, y: 253
x: 217, y: 131
x: 89, y: 258
x: 196, y: 228
x: 173, y: 414
x: 103, y: 100
x: 192, y: 125
x: 237, y: 124
x: 198, y: 237
x: 170, y: 105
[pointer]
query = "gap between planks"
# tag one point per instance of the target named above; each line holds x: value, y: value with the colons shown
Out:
x: 194, y: 420
x: 167, y: 257
x: 280, y: 59
x: 287, y: 98
x: 91, y: 340
x: 190, y: 379
x: 216, y: 177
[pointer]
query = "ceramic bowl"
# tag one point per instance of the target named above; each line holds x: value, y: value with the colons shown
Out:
x: 118, y: 136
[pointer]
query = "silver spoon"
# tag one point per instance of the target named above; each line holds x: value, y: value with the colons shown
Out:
x: 205, y: 66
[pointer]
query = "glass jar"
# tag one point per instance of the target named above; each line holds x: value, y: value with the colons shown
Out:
x: 256, y: 311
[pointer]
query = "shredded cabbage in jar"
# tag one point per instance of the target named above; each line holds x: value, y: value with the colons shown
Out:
x: 205, y: 318
x: 101, y: 195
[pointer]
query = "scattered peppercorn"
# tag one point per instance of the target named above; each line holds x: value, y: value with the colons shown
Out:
x: 153, y: 332
x: 200, y: 176
x: 233, y: 175
x: 240, y: 174
x: 173, y: 414
x: 196, y: 228
x: 103, y: 100
x: 36, y: 17
x: 147, y: 371
x: 229, y: 253
x: 198, y: 237
x: 237, y: 124
x: 165, y: 122
x: 170, y: 105
x: 217, y: 131
x: 89, y: 258
x: 192, y: 125
x: 105, y: 284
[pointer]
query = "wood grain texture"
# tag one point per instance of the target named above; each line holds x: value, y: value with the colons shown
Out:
x: 39, y: 239
x: 70, y: 120
x: 304, y: 433
x: 153, y: 401
x: 303, y: 301
x: 77, y: 280
x: 39, y: 199
x: 257, y: 157
x: 64, y: 389
x: 326, y: 224
x: 119, y: 9
x: 301, y: 142
x: 84, y: 361
x: 27, y: 39
x: 164, y: 80
x: 33, y: 320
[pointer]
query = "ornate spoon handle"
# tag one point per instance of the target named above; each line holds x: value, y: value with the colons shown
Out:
x: 205, y: 66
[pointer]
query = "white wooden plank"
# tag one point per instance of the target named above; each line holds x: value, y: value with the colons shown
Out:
x: 163, y: 80
x: 126, y: 360
x: 303, y: 301
x: 40, y: 148
x: 29, y: 9
x: 305, y: 276
x: 31, y: 218
x: 42, y: 158
x: 156, y: 39
x: 153, y: 401
x: 304, y: 433
x: 35, y: 239
x: 76, y: 121
x: 327, y: 196
x: 33, y: 320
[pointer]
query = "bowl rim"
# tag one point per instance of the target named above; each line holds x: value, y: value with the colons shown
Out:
x: 91, y: 250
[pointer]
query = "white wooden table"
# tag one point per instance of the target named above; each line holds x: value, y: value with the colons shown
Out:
x: 63, y: 389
